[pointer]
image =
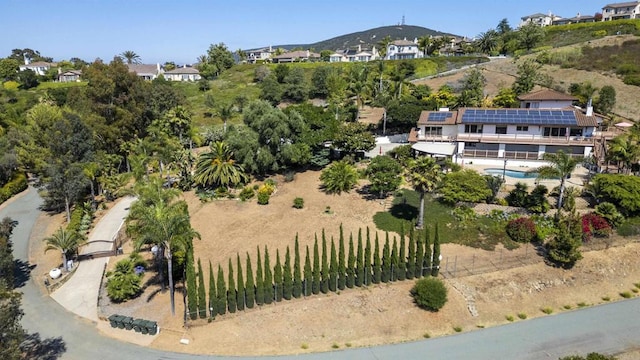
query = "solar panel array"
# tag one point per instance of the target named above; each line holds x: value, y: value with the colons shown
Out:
x: 439, y: 116
x: 519, y: 116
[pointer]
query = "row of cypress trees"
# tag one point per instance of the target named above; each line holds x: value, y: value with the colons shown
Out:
x: 333, y: 269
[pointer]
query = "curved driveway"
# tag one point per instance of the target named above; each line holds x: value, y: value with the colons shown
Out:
x: 607, y: 328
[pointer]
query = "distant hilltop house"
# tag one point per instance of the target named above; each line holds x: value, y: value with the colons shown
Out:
x: 183, y: 74
x: 296, y: 56
x: 576, y: 20
x: 357, y: 54
x: 539, y: 19
x: 38, y: 67
x: 618, y: 11
x: 403, y: 50
x: 69, y: 75
x: 259, y: 55
x: 545, y: 123
x: 146, y: 71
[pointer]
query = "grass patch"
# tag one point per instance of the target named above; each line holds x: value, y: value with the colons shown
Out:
x: 347, y: 345
x: 635, y: 291
x: 481, y: 232
x: 480, y: 326
x: 426, y: 335
x: 522, y: 316
x: 606, y: 298
x: 582, y: 304
x: 547, y: 310
x: 567, y: 307
x: 457, y: 329
x: 626, y: 294
x: 335, y: 346
x: 304, y: 346
x: 637, y: 285
x: 509, y: 318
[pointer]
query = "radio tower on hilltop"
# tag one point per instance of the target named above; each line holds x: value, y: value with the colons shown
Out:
x: 402, y: 23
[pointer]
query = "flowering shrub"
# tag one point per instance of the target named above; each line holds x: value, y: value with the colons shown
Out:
x: 522, y: 230
x: 594, y: 224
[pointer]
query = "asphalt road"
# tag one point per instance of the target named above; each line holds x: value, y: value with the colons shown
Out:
x: 609, y: 328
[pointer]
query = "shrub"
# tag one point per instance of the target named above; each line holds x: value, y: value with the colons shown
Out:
x: 430, y: 293
x: 581, y: 304
x: 11, y: 85
x: 522, y: 230
x: 594, y: 224
x: 509, y: 318
x: 263, y: 198
x: 298, y: 203
x: 626, y: 294
x: 610, y: 213
x: 246, y: 193
x: 606, y: 298
x: 522, y: 316
x: 15, y: 186
x: 457, y: 328
x: 632, y: 79
x: 599, y: 33
x: 630, y: 227
x: 123, y: 283
x: 547, y: 310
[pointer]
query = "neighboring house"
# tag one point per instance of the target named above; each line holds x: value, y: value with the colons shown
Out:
x: 263, y: 55
x: 539, y: 19
x: 296, y: 56
x: 146, y: 71
x: 183, y: 74
x: 546, y: 99
x: 69, y: 76
x: 38, y: 67
x: 492, y: 136
x: 624, y: 10
x: 403, y: 49
x: 354, y: 55
x: 575, y: 20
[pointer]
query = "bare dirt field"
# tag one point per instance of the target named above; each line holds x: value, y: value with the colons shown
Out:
x: 359, y: 317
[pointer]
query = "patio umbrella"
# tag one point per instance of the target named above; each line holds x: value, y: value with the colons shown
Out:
x: 624, y: 124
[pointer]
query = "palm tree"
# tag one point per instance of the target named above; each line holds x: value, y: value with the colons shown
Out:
x: 338, y: 177
x: 225, y: 111
x: 384, y: 44
x: 92, y: 170
x: 623, y: 149
x: 217, y: 167
x: 424, y: 174
x: 164, y: 223
x: 67, y: 242
x: 487, y: 42
x: 561, y: 166
x: 398, y: 77
x: 424, y: 44
x: 130, y: 57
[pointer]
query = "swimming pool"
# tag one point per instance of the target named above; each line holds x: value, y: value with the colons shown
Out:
x: 511, y: 173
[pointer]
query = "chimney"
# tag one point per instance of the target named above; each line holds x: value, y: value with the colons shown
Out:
x: 578, y: 16
x: 270, y: 49
x: 415, y: 40
x: 158, y: 66
x: 359, y: 48
x: 589, y: 108
x: 308, y: 53
x: 27, y: 61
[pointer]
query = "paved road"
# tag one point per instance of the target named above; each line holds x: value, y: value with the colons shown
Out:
x: 607, y: 328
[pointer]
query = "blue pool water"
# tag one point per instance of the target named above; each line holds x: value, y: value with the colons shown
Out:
x: 512, y: 173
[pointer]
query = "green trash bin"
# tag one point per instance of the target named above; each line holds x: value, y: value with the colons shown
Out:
x: 152, y: 326
x: 138, y: 325
x: 144, y: 326
x: 127, y: 321
x: 114, y: 320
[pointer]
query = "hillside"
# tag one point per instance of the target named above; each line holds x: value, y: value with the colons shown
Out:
x: 369, y: 37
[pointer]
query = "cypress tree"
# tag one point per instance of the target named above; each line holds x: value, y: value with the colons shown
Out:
x: 435, y: 265
x: 259, y: 281
x: 386, y: 260
x: 377, y: 264
x: 232, y: 305
x: 240, y: 292
x: 360, y: 261
x: 427, y: 251
x: 192, y: 290
x: 213, y: 297
x: 394, y: 260
x: 411, y: 258
x: 268, y: 279
x: 297, y: 275
x: 351, y: 264
x: 419, y: 257
x: 221, y: 300
x: 202, y: 295
x: 324, y: 277
x: 277, y: 278
x: 333, y: 268
x: 287, y: 280
x: 402, y: 258
x: 367, y: 261
x: 342, y: 268
x: 250, y: 289
x: 315, y: 286
x: 308, y: 274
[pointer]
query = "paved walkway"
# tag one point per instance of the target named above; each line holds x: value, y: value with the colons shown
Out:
x: 80, y: 294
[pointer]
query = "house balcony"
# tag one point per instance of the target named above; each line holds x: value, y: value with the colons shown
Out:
x: 527, y: 139
x: 510, y: 155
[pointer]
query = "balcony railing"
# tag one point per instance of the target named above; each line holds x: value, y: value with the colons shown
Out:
x: 527, y: 139
x: 511, y: 155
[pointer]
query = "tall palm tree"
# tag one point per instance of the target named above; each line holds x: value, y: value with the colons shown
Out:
x: 424, y: 44
x: 218, y: 168
x: 487, y: 41
x: 67, y: 242
x: 384, y: 44
x: 130, y: 57
x: 625, y: 150
x: 425, y: 175
x: 164, y: 223
x: 561, y: 165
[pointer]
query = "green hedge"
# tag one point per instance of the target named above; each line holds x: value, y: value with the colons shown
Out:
x: 17, y: 185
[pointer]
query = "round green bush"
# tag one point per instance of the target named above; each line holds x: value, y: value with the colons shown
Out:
x: 430, y: 293
x: 263, y: 198
x: 522, y: 230
x: 298, y: 203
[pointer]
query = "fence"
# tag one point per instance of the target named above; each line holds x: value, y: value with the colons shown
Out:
x: 466, y: 265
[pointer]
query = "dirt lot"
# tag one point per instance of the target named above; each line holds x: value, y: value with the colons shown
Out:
x: 360, y: 317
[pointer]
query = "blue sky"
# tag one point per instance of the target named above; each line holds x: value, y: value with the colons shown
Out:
x: 180, y: 30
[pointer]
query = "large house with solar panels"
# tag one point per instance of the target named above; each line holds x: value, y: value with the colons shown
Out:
x: 546, y: 123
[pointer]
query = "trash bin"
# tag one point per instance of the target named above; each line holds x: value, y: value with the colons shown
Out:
x: 114, y: 320
x: 127, y: 321
x: 138, y: 325
x: 152, y: 326
x: 144, y: 326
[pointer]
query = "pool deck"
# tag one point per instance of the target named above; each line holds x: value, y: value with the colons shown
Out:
x: 578, y: 177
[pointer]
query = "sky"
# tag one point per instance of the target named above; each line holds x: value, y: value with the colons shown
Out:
x: 181, y: 30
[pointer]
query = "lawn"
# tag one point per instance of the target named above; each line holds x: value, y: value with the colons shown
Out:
x: 480, y: 232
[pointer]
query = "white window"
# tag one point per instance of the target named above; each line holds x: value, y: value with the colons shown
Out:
x: 522, y: 128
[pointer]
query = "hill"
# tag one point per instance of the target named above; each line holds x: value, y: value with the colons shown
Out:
x: 369, y: 37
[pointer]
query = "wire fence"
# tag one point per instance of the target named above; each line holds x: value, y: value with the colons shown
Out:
x: 467, y: 265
